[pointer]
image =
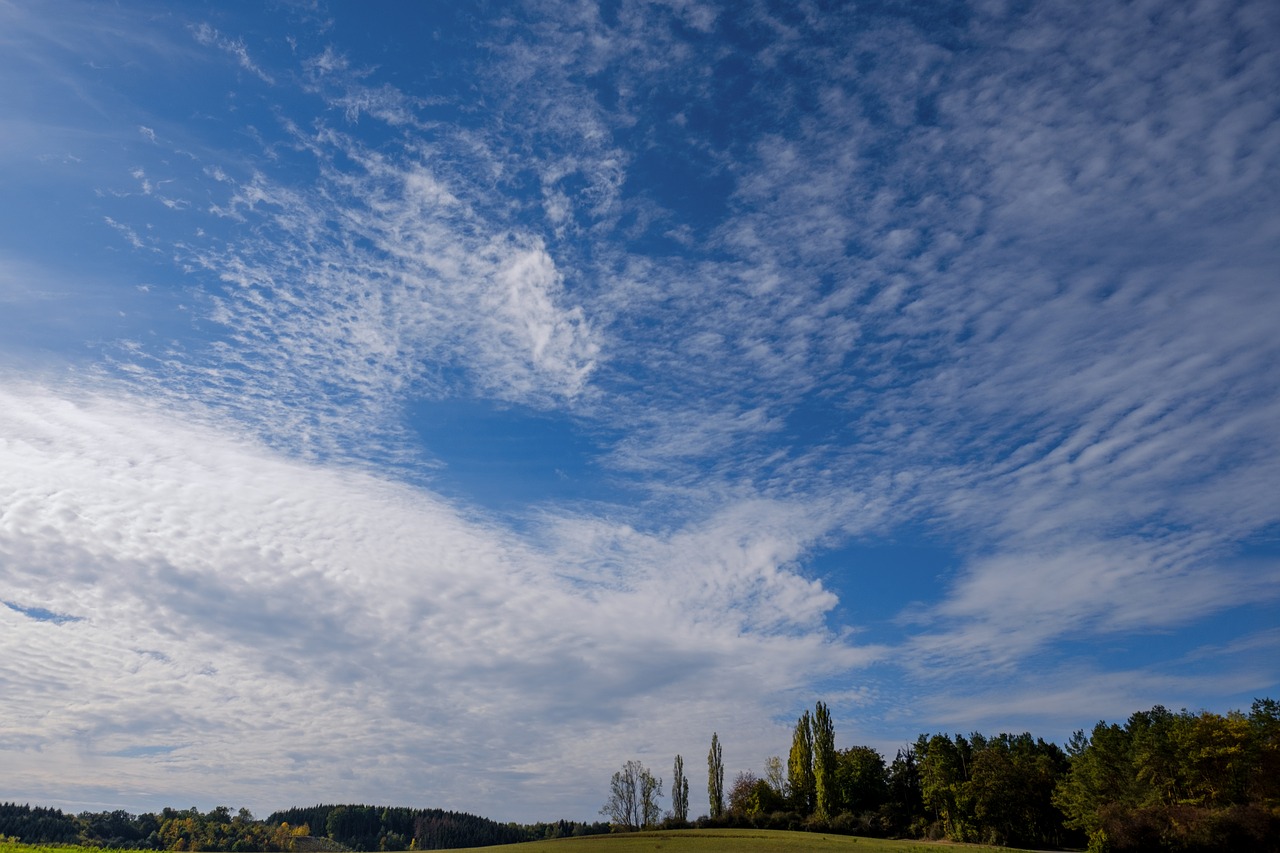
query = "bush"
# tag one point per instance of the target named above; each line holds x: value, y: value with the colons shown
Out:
x: 1187, y: 829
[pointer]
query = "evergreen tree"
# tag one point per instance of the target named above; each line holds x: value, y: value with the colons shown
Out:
x: 715, y: 777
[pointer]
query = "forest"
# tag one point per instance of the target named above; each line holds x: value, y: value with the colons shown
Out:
x: 1163, y: 781
x: 344, y: 827
x: 1181, y: 782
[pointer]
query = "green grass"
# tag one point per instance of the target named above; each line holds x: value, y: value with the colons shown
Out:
x: 736, y: 841
x: 672, y: 841
x: 11, y: 847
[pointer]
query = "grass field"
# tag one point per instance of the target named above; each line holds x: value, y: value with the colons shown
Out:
x: 675, y: 841
x: 10, y: 847
x: 735, y: 840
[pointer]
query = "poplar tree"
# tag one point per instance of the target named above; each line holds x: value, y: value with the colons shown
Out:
x: 800, y: 765
x: 715, y: 777
x: 679, y: 792
x: 824, y: 761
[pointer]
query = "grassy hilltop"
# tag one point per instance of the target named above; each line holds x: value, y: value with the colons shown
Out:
x: 672, y: 841
x: 736, y: 841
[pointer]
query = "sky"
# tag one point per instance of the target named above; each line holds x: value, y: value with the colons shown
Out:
x: 442, y: 404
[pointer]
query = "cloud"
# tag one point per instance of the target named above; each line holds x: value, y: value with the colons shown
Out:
x: 1003, y: 276
x: 270, y: 620
x: 210, y: 37
x: 1045, y: 392
x: 1044, y: 358
x: 383, y: 283
x: 1054, y: 705
x: 1007, y: 608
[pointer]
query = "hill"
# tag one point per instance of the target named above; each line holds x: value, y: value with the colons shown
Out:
x: 737, y: 841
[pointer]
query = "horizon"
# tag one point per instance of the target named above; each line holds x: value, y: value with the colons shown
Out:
x: 440, y: 407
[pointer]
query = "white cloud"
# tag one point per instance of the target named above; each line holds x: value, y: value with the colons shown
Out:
x: 382, y: 283
x: 1054, y: 704
x: 1020, y: 293
x: 1009, y: 607
x: 270, y: 623
x: 210, y: 37
x: 557, y: 342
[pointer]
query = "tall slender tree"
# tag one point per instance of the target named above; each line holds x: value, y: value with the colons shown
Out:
x: 679, y: 792
x: 800, y: 765
x: 824, y: 761
x: 715, y: 777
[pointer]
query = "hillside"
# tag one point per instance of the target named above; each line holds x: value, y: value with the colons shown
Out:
x: 738, y: 841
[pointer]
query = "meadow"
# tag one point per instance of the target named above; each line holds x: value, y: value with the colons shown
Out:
x: 671, y: 841
x: 739, y: 841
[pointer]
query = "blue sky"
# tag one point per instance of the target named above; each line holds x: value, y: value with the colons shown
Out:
x: 442, y: 404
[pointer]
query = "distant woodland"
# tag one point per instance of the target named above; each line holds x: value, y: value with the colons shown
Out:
x: 1163, y: 781
x: 316, y: 829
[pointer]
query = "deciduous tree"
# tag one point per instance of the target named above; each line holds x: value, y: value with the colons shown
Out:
x: 633, y: 798
x: 861, y: 784
x: 800, y: 765
x: 679, y: 791
x: 775, y: 773
x: 715, y: 777
x: 824, y: 761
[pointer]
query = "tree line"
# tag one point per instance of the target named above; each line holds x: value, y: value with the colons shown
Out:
x: 170, y: 829
x: 1163, y: 781
x: 303, y: 830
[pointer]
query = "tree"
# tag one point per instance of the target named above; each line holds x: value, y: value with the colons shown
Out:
x: 740, y: 799
x: 752, y: 797
x: 1010, y: 790
x: 906, y: 802
x: 633, y: 793
x: 650, y: 790
x: 861, y: 780
x: 1176, y: 781
x: 1101, y: 774
x: 800, y: 765
x: 715, y: 777
x: 824, y: 761
x: 679, y: 792
x: 775, y: 773
x: 1264, y: 780
x: 942, y: 773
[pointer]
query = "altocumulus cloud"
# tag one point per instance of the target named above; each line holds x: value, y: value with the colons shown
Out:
x: 999, y: 278
x: 239, y: 616
x: 382, y: 281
